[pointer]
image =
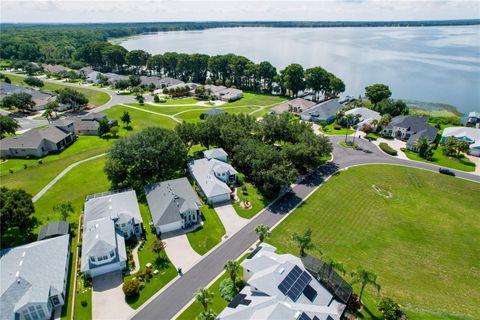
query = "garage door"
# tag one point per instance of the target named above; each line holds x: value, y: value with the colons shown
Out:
x: 105, y: 269
x: 219, y: 198
x: 171, y: 227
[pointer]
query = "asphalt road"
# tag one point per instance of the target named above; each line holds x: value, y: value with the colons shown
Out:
x: 179, y: 293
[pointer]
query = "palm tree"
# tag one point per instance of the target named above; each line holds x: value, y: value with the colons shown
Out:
x: 207, y: 315
x: 232, y: 267
x: 357, y: 118
x: 263, y: 231
x: 64, y: 208
x: 422, y: 146
x: 304, y: 241
x: 204, y: 297
x: 375, y: 124
x: 365, y: 278
x: 349, y: 120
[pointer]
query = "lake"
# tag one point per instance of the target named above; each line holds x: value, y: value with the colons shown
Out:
x: 431, y: 64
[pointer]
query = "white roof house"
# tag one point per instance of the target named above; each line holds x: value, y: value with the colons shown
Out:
x: 366, y: 115
x: 109, y: 218
x: 213, y: 175
x: 468, y: 134
x: 279, y: 287
x: 33, y: 278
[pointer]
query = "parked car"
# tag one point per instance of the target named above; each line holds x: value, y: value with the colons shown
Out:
x: 446, y: 171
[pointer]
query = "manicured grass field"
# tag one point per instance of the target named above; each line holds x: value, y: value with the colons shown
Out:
x: 440, y: 159
x: 328, y: 129
x: 140, y: 120
x: 218, y: 303
x: 189, y: 100
x: 169, y: 110
x: 256, y: 99
x: 95, y: 97
x: 194, y: 116
x: 210, y: 234
x: 422, y: 242
x: 254, y: 197
x: 166, y: 269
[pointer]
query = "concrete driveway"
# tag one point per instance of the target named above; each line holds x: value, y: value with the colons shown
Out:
x: 179, y: 251
x: 108, y: 300
x: 230, y: 219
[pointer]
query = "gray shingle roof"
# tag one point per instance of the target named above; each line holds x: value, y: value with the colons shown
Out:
x: 30, y: 272
x: 215, y: 153
x: 213, y: 112
x: 168, y: 199
x: 324, y: 110
x: 33, y: 138
x: 53, y: 229
x: 54, y: 68
x: 299, y: 103
x: 160, y: 82
x: 204, y: 171
x: 40, y: 98
x: 412, y: 123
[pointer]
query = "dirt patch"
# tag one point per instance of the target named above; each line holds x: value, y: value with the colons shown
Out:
x: 244, y: 204
x: 384, y: 193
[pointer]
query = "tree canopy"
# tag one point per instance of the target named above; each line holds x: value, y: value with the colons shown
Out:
x: 75, y: 99
x: 377, y: 92
x: 21, y: 100
x: 8, y: 125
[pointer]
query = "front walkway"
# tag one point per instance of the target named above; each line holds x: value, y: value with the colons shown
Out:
x: 179, y: 250
x: 108, y: 299
x: 230, y: 219
x: 475, y: 160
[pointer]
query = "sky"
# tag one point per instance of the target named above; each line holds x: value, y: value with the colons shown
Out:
x: 73, y: 11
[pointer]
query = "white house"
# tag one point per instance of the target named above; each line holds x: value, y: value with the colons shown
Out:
x: 109, y: 219
x: 279, y: 287
x: 468, y: 134
x: 213, y: 175
x: 33, y: 279
x: 366, y: 115
x: 173, y: 205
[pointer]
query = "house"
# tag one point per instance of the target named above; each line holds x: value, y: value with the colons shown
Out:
x: 410, y: 129
x: 54, y: 69
x: 468, y: 134
x: 212, y: 112
x: 223, y: 93
x: 92, y: 77
x: 213, y: 175
x: 33, y: 279
x: 36, y: 142
x: 474, y: 119
x: 113, y: 77
x: 109, y: 218
x: 217, y: 153
x: 41, y: 98
x: 85, y: 125
x: 173, y: 205
x: 53, y: 229
x: 160, y: 83
x: 279, y: 287
x: 297, y: 105
x: 323, y: 112
x: 366, y: 115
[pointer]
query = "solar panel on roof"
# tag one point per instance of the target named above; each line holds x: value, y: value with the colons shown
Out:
x: 304, y: 316
x: 297, y: 288
x: 289, y: 280
x: 316, y: 318
x: 310, y: 293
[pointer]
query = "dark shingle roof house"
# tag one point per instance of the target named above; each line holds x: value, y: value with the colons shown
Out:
x: 173, y: 205
x: 40, y: 98
x: 36, y: 142
x: 54, y: 68
x: 33, y: 279
x: 212, y: 112
x: 160, y: 82
x: 113, y: 77
x: 87, y: 125
x: 323, y: 112
x: 411, y: 128
x: 297, y: 105
x: 53, y: 229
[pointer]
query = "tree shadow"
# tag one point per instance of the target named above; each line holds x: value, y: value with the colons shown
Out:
x: 161, y: 262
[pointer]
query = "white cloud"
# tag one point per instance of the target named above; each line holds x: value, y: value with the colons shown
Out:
x: 221, y: 10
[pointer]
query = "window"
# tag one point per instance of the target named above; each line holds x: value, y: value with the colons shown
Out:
x: 112, y: 254
x: 99, y: 259
x: 40, y: 311
x: 92, y: 259
x: 55, y: 301
x: 123, y: 224
x: 105, y: 257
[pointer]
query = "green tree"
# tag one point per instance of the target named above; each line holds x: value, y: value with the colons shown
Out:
x: 122, y: 85
x: 317, y: 80
x: 21, y: 100
x: 114, y: 131
x: 152, y: 155
x: 392, y: 107
x: 263, y: 231
x: 207, y: 315
x: 390, y: 309
x: 64, y: 209
x: 156, y: 99
x: 188, y: 133
x: 137, y: 59
x: 158, y: 246
x: 103, y: 127
x: 293, y: 78
x: 16, y: 211
x: 8, y: 125
x: 304, y: 241
x: 204, y: 297
x: 349, y: 120
x: 131, y: 287
x: 34, y: 82
x: 50, y: 109
x: 232, y: 267
x: 385, y: 120
x: 125, y: 118
x: 364, y: 278
x: 377, y: 92
x: 422, y: 146
x: 73, y: 98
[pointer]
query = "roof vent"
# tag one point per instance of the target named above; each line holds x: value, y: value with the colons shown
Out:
x: 110, y: 207
x: 109, y: 199
x: 24, y: 253
x: 20, y: 263
x: 17, y: 274
x: 281, y: 270
x: 96, y: 236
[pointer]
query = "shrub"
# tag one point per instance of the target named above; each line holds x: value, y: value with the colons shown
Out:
x: 371, y: 137
x: 390, y: 309
x: 245, y: 190
x: 25, y: 166
x: 227, y: 291
x: 387, y: 149
x: 84, y: 303
x: 40, y: 161
x: 131, y: 287
x: 156, y: 99
x: 337, y: 127
x: 10, y: 170
x: 386, y: 136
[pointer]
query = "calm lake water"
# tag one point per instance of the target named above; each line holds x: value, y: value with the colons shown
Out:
x: 434, y: 64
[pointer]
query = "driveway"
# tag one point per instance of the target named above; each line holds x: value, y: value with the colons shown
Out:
x: 108, y: 300
x: 395, y: 144
x: 179, y: 251
x: 230, y: 219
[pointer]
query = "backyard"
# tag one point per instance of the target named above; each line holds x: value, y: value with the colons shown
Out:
x: 420, y: 236
x: 248, y: 192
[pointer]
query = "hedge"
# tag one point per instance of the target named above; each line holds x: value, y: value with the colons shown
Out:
x: 387, y: 149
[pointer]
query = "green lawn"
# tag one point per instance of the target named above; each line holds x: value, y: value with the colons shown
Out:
x: 328, y: 129
x: 140, y: 120
x: 218, y: 303
x: 95, y: 97
x: 196, y: 148
x: 169, y: 110
x: 254, y: 196
x: 440, y: 159
x: 166, y: 269
x: 256, y: 99
x: 194, y: 116
x: 422, y: 242
x: 189, y: 100
x: 210, y: 234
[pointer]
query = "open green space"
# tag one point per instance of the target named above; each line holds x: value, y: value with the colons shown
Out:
x: 209, y: 234
x: 440, y: 159
x: 256, y: 99
x: 169, y: 110
x: 329, y: 129
x: 95, y: 97
x: 166, y: 270
x: 194, y: 116
x: 140, y: 120
x: 253, y: 195
x: 218, y: 303
x: 421, y: 241
x: 188, y: 100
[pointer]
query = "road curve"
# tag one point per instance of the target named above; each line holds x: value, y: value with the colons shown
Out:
x: 167, y: 304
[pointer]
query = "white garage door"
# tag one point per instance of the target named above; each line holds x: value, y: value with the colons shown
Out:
x: 105, y: 269
x: 171, y: 227
x: 219, y: 198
